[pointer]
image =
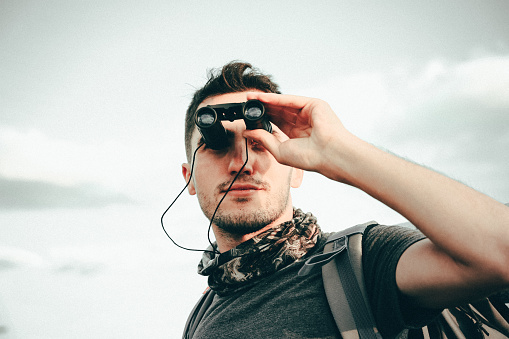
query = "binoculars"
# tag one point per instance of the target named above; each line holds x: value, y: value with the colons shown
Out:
x: 208, y: 120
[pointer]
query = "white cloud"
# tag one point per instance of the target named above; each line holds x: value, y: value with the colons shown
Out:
x: 455, y: 119
x: 357, y: 99
x: 12, y: 257
x: 367, y: 102
x: 485, y: 79
x: 33, y: 155
x: 133, y: 167
x: 76, y: 260
x: 79, y: 260
x: 463, y: 102
x: 90, y: 259
x: 450, y: 116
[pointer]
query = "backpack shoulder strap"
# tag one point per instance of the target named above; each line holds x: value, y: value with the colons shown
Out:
x: 197, y: 313
x: 335, y: 244
x: 346, y: 292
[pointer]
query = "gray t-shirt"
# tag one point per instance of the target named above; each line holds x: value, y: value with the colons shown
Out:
x: 285, y: 305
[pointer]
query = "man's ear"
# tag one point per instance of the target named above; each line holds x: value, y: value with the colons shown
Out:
x: 186, y: 172
x: 296, y: 179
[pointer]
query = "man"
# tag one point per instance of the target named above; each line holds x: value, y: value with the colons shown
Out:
x: 461, y: 255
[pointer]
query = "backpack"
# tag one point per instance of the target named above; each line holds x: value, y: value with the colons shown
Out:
x: 349, y: 304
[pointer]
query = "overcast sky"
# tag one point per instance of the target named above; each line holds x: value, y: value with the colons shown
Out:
x: 92, y: 103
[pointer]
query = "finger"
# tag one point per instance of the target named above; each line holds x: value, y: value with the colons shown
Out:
x: 284, y: 123
x: 286, y: 114
x: 269, y: 141
x: 286, y: 111
x: 285, y: 100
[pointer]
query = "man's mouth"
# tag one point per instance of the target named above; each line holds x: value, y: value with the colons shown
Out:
x: 244, y: 185
x: 243, y: 188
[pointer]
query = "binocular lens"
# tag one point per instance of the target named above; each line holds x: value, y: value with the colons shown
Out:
x: 253, y: 110
x: 205, y: 118
x: 253, y: 113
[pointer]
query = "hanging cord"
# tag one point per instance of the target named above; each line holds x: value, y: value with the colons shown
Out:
x: 215, y: 251
x: 174, y: 200
x: 224, y: 196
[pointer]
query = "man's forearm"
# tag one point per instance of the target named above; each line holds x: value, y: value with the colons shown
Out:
x: 464, y: 223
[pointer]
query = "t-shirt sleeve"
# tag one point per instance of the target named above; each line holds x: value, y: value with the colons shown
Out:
x: 382, y: 248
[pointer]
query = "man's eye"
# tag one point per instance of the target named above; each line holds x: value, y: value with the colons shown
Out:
x: 255, y: 145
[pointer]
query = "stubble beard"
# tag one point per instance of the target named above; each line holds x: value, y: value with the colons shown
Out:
x: 246, y: 219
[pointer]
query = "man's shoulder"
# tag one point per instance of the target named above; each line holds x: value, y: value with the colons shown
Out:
x: 391, y: 235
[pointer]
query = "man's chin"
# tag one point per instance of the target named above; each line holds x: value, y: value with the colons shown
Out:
x: 237, y: 206
x: 245, y: 222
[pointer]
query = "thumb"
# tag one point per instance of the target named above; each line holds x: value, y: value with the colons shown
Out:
x: 264, y: 138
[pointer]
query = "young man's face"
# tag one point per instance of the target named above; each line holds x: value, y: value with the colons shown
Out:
x: 261, y: 194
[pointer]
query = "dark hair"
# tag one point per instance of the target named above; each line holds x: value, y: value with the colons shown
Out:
x: 233, y: 77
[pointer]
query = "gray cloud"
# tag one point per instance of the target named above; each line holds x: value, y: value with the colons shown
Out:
x: 459, y: 135
x: 459, y: 120
x: 80, y: 267
x: 6, y: 264
x: 451, y: 117
x: 27, y: 194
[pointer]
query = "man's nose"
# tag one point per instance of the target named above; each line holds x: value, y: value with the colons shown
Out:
x: 238, y: 155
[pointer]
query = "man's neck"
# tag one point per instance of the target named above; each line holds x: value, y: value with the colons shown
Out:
x: 226, y: 241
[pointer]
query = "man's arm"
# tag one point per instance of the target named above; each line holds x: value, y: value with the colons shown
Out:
x: 466, y: 255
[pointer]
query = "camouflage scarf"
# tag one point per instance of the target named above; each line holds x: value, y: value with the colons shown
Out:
x: 261, y: 255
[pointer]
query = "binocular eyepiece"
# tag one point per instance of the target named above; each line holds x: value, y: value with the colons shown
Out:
x: 208, y: 120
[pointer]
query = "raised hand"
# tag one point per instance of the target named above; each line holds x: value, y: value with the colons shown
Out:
x: 312, y: 128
